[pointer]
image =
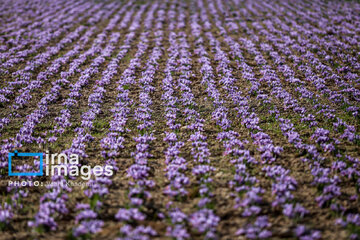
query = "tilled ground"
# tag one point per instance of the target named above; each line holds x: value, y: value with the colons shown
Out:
x: 278, y: 78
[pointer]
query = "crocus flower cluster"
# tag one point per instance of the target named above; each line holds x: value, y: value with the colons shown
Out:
x: 285, y: 183
x: 243, y: 182
x: 6, y: 215
x: 49, y: 210
x: 140, y: 185
x: 204, y: 221
x: 65, y: 19
x: 87, y: 221
x: 176, y: 165
x: 321, y: 136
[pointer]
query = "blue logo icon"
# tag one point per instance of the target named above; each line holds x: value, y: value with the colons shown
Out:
x: 15, y: 153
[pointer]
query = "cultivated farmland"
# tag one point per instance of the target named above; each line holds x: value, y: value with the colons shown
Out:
x: 208, y: 119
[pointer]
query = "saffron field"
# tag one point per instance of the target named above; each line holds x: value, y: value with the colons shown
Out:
x: 219, y: 119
